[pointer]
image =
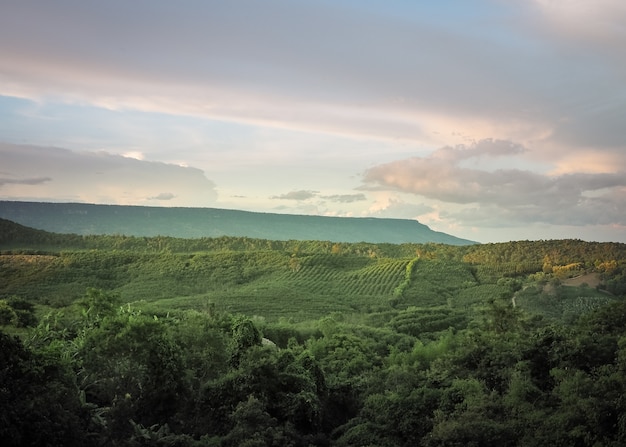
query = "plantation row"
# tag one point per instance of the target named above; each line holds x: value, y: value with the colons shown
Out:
x: 373, y: 277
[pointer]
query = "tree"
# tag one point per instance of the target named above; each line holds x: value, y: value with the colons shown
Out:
x: 245, y: 336
x: 131, y: 364
x: 7, y: 314
x: 97, y: 304
x: 501, y: 316
x: 252, y: 426
x: 39, y: 400
x: 17, y: 312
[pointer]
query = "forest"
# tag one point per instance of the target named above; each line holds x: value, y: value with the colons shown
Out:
x: 119, y: 340
x: 181, y: 222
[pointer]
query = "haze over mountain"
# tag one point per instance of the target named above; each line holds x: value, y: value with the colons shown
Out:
x: 84, y: 219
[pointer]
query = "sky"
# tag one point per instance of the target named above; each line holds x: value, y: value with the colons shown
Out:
x: 492, y: 120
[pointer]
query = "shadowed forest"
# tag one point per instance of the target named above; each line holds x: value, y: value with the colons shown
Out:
x: 234, y: 341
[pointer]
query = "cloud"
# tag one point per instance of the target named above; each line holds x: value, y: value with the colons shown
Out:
x: 163, y: 196
x: 481, y: 149
x: 367, y: 75
x: 24, y: 181
x: 389, y: 205
x: 134, y: 154
x: 345, y: 198
x: 99, y: 178
x: 548, y: 74
x: 601, y: 21
x: 504, y: 195
x: 297, y: 195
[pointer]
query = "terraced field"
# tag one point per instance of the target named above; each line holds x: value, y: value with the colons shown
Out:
x: 360, y: 277
x: 322, y: 284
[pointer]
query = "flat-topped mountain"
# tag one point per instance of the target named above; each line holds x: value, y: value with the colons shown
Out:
x: 84, y: 219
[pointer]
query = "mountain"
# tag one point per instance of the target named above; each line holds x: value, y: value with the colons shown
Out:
x: 14, y: 232
x: 84, y: 219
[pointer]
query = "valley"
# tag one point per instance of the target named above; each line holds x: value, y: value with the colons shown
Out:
x: 234, y: 340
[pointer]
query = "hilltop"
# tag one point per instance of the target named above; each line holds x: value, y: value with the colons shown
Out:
x: 90, y: 219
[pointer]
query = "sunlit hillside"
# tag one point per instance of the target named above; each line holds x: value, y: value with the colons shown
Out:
x: 305, y: 280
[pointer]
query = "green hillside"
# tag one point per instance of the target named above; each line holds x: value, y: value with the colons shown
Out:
x: 239, y: 341
x: 83, y: 219
x: 304, y: 280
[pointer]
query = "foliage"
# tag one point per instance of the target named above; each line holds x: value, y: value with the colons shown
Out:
x: 39, y: 401
x: 144, y: 341
x: 17, y: 312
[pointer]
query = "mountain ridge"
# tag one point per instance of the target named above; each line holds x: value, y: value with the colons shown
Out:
x: 134, y: 220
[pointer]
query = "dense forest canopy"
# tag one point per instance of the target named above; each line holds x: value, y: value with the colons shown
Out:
x: 236, y: 341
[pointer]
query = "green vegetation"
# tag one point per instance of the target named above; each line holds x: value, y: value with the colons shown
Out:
x: 85, y: 219
x: 234, y: 341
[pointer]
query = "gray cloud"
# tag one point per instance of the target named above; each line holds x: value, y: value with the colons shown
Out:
x: 481, y: 149
x: 163, y: 196
x: 345, y: 198
x: 511, y: 195
x: 366, y: 74
x: 605, y: 210
x: 100, y: 177
x: 297, y: 195
x: 24, y: 181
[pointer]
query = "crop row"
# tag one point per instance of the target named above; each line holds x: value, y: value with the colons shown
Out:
x: 376, y: 277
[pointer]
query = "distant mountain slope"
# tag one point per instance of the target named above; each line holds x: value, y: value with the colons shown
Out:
x: 80, y: 218
x: 14, y: 232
